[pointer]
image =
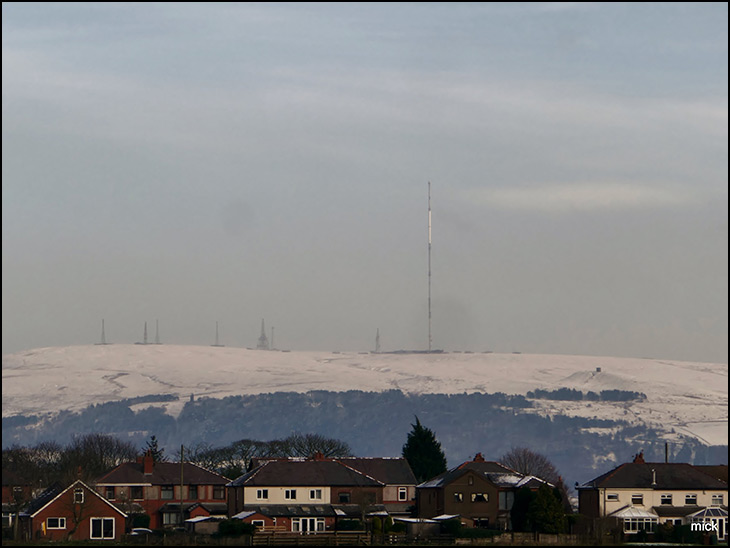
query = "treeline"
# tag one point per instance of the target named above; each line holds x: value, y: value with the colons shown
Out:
x: 570, y: 394
x: 89, y: 456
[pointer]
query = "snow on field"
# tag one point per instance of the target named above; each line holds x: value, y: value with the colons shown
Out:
x: 687, y: 397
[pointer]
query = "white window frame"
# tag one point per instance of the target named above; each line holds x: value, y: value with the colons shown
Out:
x: 79, y: 495
x: 718, y: 499
x: 612, y: 497
x: 639, y: 497
x: 103, y: 521
x: 258, y: 523
x: 315, y: 494
x: 666, y: 499
x: 290, y: 494
x: 402, y: 493
x: 319, y: 525
x: 262, y: 494
x: 167, y: 492
x: 690, y: 499
x: 61, y: 523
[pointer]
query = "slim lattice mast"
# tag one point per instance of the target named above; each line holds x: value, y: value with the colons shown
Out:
x: 429, y: 266
x: 217, y: 343
x: 377, y: 341
x: 145, y: 333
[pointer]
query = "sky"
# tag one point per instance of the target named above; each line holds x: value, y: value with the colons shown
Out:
x: 194, y: 163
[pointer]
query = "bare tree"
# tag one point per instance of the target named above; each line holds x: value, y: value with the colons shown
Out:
x: 530, y: 463
x: 307, y: 445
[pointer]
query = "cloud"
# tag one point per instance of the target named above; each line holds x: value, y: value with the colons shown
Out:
x: 578, y: 197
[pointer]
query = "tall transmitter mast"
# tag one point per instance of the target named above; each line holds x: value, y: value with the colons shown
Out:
x: 429, y: 266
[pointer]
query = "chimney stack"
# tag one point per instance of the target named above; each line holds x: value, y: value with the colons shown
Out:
x: 148, y: 463
x: 478, y: 458
x: 639, y: 458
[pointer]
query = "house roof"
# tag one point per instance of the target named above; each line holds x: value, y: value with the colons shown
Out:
x: 642, y: 475
x: 711, y: 512
x: 44, y: 498
x: 304, y: 473
x: 163, y: 473
x: 717, y: 471
x: 50, y: 500
x: 633, y: 512
x: 493, y: 471
x: 292, y: 510
x: 390, y: 471
x: 673, y: 511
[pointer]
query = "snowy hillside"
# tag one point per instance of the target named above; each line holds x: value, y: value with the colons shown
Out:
x: 691, y: 398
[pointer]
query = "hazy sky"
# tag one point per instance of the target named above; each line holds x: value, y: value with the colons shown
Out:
x: 194, y: 163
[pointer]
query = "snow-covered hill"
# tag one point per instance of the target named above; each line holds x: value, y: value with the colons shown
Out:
x: 690, y: 398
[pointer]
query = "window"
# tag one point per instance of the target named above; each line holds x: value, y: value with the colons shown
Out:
x: 78, y: 495
x: 402, y: 493
x: 458, y: 497
x: 55, y: 523
x: 262, y: 494
x: 303, y: 525
x: 690, y: 500
x: 102, y: 528
x: 479, y: 497
x: 315, y: 494
x: 344, y: 498
x: 612, y: 497
x: 168, y: 492
x: 717, y: 499
x: 666, y: 500
x: 506, y: 500
x: 109, y: 493
x: 633, y: 525
x: 219, y: 492
x: 137, y: 492
x: 258, y: 523
x: 290, y: 494
x: 471, y: 480
x: 170, y: 518
x: 637, y: 499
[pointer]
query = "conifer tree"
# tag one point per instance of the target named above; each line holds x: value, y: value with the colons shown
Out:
x: 423, y: 453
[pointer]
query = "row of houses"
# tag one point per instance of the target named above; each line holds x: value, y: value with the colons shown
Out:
x: 310, y: 496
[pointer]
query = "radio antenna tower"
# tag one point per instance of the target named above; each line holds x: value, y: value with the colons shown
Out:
x: 103, y: 335
x: 216, y: 336
x: 263, y: 341
x: 377, y: 341
x: 145, y: 333
x: 429, y: 267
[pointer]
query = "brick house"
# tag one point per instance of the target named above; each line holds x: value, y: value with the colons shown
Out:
x: 77, y: 512
x: 159, y: 489
x: 301, y: 495
x: 482, y: 492
x: 640, y: 495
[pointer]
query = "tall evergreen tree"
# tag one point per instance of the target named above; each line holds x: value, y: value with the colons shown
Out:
x: 153, y: 448
x: 423, y: 453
